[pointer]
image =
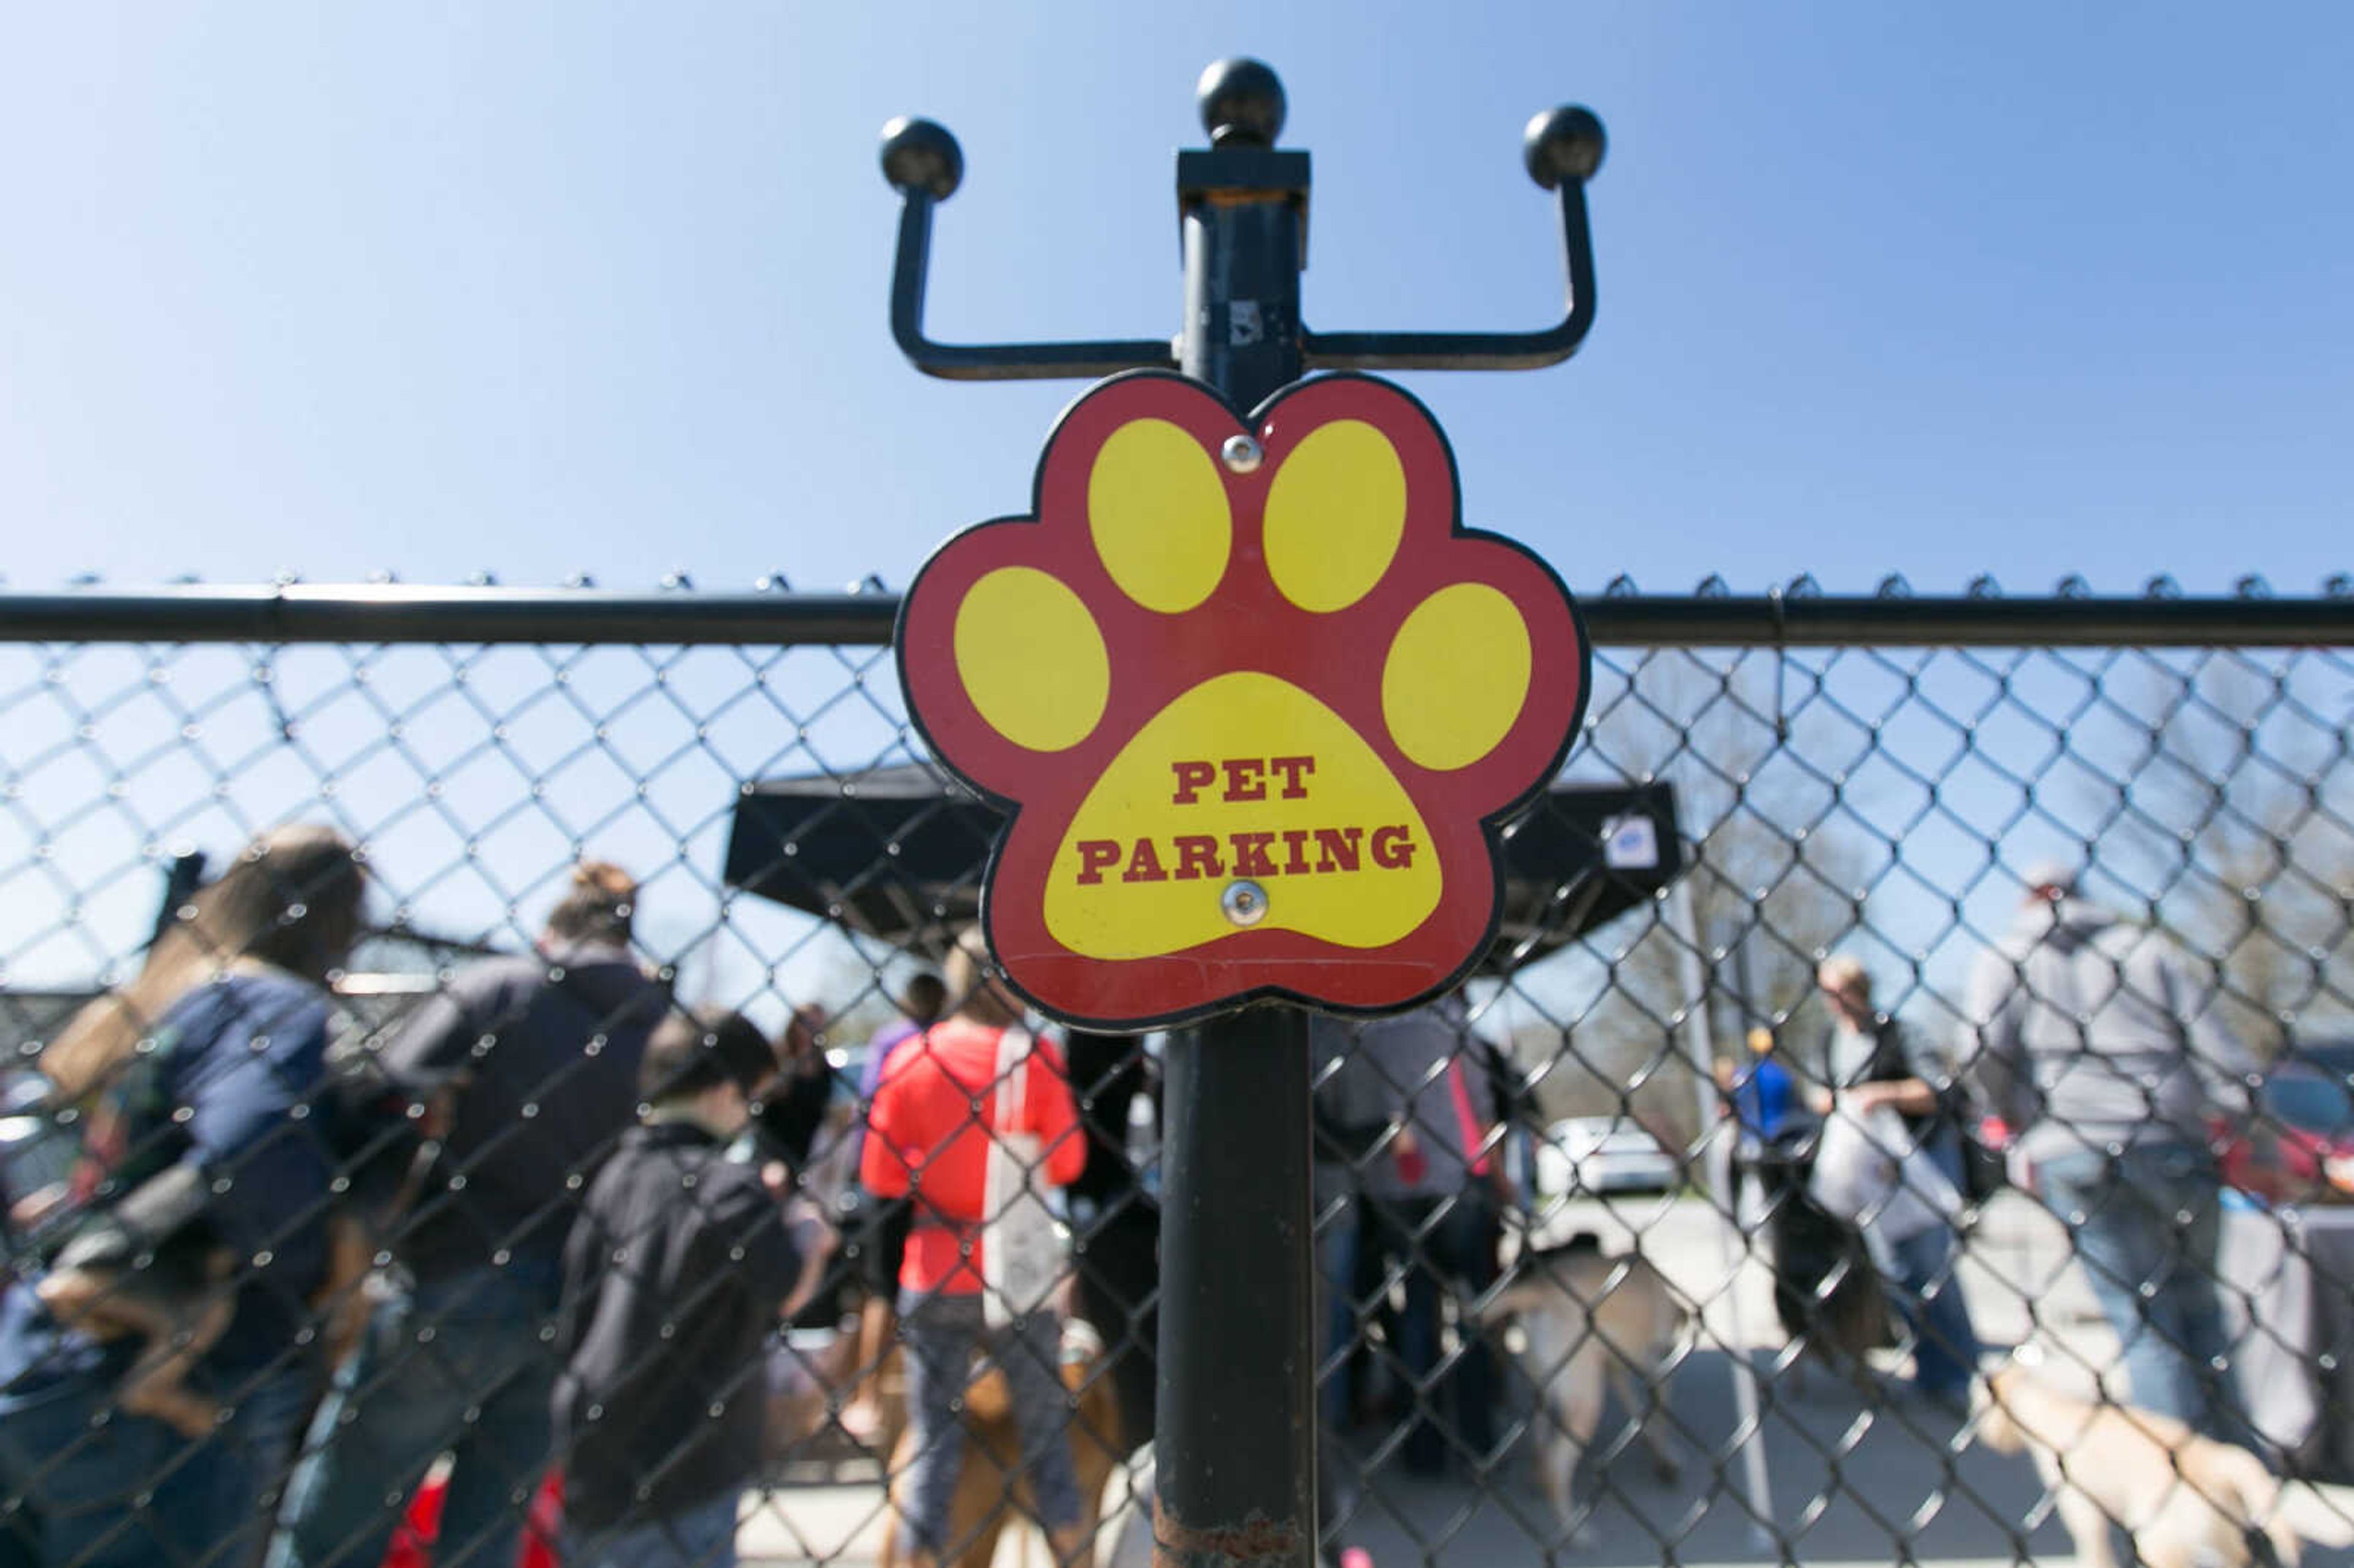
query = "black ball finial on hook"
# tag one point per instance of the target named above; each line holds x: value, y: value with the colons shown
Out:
x: 1241, y: 104
x: 920, y: 154
x: 1563, y: 145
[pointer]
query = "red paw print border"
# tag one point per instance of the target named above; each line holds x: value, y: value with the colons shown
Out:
x: 1256, y: 700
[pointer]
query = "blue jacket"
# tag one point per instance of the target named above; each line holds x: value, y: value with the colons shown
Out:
x: 240, y: 1055
x: 1765, y: 1098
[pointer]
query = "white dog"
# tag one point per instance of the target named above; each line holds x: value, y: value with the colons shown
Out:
x: 1592, y: 1323
x: 2186, y: 1500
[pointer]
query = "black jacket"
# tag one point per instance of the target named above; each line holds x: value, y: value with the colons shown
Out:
x: 795, y: 1109
x: 547, y: 1075
x: 1893, y: 1057
x: 673, y: 1278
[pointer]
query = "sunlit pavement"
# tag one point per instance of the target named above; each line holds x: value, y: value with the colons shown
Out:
x: 1850, y: 1477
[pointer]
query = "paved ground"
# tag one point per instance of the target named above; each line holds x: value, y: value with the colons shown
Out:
x: 1848, y: 1478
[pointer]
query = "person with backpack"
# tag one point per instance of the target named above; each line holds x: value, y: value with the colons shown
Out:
x: 530, y: 1067
x: 197, y: 1212
x: 972, y: 1089
x: 675, y: 1276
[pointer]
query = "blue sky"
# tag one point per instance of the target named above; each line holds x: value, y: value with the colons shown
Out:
x: 538, y: 289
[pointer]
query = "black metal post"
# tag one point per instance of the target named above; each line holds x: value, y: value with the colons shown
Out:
x: 1234, y: 1451
x: 1235, y: 1447
x: 1237, y: 1434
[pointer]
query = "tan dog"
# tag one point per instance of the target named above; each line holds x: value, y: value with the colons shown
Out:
x: 2187, y: 1500
x: 1592, y: 1323
x: 992, y: 1488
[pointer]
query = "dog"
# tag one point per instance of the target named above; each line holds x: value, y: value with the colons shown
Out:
x: 1591, y: 1322
x: 2186, y: 1500
x: 991, y: 1488
x: 178, y: 1294
x: 180, y: 1307
x: 181, y: 1303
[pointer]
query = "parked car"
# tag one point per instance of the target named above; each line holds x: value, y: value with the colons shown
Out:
x: 1588, y: 1154
x: 2298, y: 1147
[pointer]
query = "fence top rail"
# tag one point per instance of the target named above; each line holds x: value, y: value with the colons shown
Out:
x: 397, y: 613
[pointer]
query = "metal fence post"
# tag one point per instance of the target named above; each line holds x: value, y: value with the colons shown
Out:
x: 1235, y: 1445
x: 1692, y: 970
x: 1235, y: 1454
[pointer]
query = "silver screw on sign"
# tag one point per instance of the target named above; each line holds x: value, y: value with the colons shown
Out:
x: 1245, y: 903
x: 1241, y: 453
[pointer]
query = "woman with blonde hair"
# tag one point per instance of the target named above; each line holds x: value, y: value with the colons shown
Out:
x: 193, y: 1088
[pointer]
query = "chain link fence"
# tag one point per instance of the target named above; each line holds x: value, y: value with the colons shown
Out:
x: 1891, y: 991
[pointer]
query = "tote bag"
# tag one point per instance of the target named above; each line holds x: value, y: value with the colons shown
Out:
x: 1867, y: 1172
x: 1021, y: 1251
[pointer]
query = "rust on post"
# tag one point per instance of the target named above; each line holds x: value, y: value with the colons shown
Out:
x: 1258, y: 1539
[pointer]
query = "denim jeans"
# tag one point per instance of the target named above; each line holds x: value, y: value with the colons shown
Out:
x: 1442, y: 1242
x: 1929, y: 1293
x: 2148, y: 1227
x: 1337, y: 1233
x: 940, y: 1331
x: 81, y: 1484
x: 456, y: 1366
x: 702, y: 1537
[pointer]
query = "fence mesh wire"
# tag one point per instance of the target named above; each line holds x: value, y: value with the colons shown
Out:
x: 1604, y: 1280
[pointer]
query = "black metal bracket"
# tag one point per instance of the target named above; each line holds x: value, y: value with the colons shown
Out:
x: 1237, y: 174
x: 1562, y: 149
x: 923, y: 165
x: 1242, y: 107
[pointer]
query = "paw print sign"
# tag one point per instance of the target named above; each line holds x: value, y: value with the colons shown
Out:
x: 1257, y: 699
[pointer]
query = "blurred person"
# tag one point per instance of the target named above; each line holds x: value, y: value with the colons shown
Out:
x: 1763, y: 1099
x: 930, y: 1134
x: 1434, y: 1199
x: 193, y: 1088
x: 676, y: 1274
x: 1350, y: 1119
x: 532, y: 1064
x: 1765, y: 1095
x: 1116, y: 1220
x: 1871, y: 1065
x: 921, y: 1002
x: 884, y: 1220
x: 2097, y: 1043
x: 794, y: 1102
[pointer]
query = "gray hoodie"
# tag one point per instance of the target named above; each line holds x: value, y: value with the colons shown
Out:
x: 2082, y: 1031
x: 1397, y: 1072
